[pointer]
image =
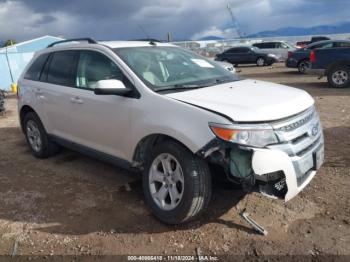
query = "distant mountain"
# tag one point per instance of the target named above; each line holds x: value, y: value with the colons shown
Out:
x: 210, y: 37
x: 315, y: 30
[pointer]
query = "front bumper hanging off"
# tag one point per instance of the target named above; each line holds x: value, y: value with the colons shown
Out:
x: 265, y: 161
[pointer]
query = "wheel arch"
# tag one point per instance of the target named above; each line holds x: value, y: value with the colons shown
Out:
x: 345, y: 63
x: 302, y: 60
x: 146, y: 144
x: 23, y: 111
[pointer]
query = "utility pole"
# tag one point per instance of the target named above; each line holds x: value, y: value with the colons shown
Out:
x: 169, y: 38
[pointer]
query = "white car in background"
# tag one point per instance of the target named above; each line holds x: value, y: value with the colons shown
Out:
x: 227, y: 66
x: 278, y: 48
x: 169, y: 114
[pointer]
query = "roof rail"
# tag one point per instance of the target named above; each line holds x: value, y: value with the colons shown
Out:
x: 89, y: 40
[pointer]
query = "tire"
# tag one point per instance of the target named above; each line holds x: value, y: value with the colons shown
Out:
x: 193, y: 195
x: 37, y: 138
x: 303, y: 66
x: 260, y: 61
x: 339, y: 76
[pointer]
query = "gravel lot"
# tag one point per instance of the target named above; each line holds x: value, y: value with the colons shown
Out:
x: 71, y: 204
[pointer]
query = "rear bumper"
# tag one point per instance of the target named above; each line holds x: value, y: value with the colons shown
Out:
x: 298, y: 171
x: 317, y: 72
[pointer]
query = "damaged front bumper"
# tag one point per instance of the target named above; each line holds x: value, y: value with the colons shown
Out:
x: 281, y: 170
x: 268, y: 161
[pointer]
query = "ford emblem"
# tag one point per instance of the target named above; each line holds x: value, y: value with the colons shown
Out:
x: 314, y: 130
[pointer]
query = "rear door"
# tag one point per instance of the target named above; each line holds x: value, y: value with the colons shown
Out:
x: 231, y: 55
x: 34, y: 90
x: 58, y: 78
x: 245, y: 55
x: 269, y: 47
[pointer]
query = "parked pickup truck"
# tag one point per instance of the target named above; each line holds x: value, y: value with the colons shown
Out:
x: 333, y: 63
x: 172, y: 116
x: 301, y: 57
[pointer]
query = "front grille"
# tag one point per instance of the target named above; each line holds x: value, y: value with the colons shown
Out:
x: 299, y: 137
x: 299, y: 134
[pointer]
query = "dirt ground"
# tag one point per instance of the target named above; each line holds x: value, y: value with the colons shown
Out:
x: 74, y: 205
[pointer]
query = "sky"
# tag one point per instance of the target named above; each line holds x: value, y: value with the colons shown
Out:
x: 185, y: 19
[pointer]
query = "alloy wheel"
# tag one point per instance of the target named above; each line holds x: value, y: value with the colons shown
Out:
x: 340, y: 77
x: 33, y: 135
x: 166, y: 181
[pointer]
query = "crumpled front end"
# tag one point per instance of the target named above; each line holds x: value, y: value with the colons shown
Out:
x: 298, y: 156
x: 283, y: 169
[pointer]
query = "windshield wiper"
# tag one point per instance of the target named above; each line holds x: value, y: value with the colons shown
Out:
x: 181, y: 87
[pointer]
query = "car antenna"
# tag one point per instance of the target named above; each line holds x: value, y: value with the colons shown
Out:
x: 151, y: 42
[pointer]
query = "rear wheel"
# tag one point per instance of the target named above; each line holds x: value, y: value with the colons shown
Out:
x: 260, y: 61
x: 303, y: 66
x: 37, y: 138
x: 339, y: 76
x: 176, y: 183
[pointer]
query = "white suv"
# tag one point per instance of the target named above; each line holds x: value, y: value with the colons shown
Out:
x: 172, y: 115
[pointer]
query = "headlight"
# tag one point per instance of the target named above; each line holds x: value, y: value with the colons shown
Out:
x: 249, y: 135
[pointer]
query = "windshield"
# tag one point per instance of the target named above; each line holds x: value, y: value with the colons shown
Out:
x: 255, y: 49
x: 168, y: 68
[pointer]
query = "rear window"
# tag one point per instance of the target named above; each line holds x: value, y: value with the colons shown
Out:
x: 62, y: 68
x: 34, y: 71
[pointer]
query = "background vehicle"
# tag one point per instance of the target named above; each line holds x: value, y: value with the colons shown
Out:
x: 246, y: 55
x: 333, y: 63
x: 278, y: 48
x: 301, y: 58
x: 302, y: 44
x: 315, y: 39
x: 169, y: 114
x: 227, y: 66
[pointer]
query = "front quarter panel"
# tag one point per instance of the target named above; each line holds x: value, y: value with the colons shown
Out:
x: 158, y: 114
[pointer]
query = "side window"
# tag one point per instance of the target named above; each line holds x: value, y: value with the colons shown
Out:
x: 258, y: 45
x: 342, y: 44
x: 93, y: 67
x: 284, y: 45
x: 34, y: 71
x: 278, y: 45
x: 267, y: 45
x: 314, y: 47
x: 62, y: 68
x: 231, y: 51
x: 329, y: 45
x: 245, y: 50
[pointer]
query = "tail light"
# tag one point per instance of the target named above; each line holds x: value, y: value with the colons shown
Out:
x: 290, y: 54
x: 312, y: 57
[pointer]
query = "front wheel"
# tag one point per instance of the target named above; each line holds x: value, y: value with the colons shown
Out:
x: 339, y: 76
x: 176, y: 183
x: 260, y: 61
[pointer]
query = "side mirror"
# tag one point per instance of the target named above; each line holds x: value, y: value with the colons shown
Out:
x: 111, y: 87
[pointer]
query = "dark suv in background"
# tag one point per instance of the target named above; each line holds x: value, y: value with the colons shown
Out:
x: 301, y: 58
x: 246, y: 55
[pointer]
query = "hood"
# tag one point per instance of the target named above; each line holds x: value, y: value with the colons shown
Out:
x: 248, y: 100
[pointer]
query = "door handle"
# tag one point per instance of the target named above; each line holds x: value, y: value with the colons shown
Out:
x: 76, y: 100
